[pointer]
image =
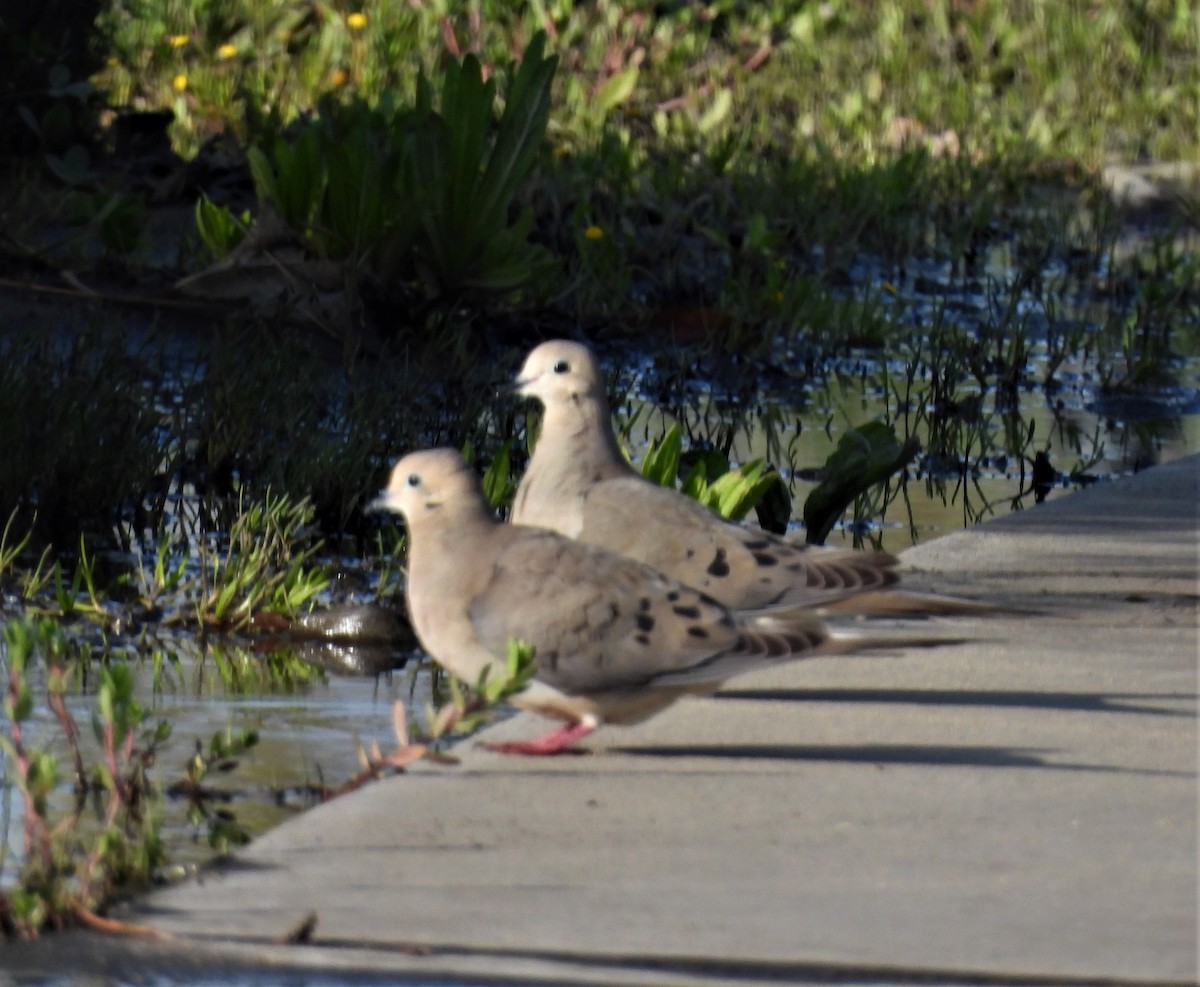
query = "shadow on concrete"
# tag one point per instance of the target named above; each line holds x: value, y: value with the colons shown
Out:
x: 1088, y: 702
x: 935, y: 755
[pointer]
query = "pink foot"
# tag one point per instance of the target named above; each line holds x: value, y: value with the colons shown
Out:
x: 557, y: 741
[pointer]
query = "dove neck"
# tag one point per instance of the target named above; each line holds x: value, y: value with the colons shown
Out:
x: 449, y: 516
x: 584, y: 423
x: 444, y: 528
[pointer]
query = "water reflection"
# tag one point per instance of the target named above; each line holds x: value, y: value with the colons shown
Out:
x: 989, y: 473
x: 309, y: 724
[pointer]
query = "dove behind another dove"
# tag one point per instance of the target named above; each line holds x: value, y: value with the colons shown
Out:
x: 579, y: 484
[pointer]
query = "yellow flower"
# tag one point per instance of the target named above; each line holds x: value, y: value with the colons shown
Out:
x: 179, y: 82
x: 227, y: 51
x: 593, y: 233
x: 178, y: 40
x: 356, y: 21
x: 337, y: 78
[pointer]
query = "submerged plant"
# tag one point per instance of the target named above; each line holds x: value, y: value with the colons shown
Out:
x: 242, y: 671
x: 204, y: 803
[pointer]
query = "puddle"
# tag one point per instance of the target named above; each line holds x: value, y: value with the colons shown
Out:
x: 308, y: 737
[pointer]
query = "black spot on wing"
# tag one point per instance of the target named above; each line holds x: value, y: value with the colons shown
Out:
x: 765, y: 559
x: 718, y: 566
x: 699, y: 632
x: 673, y: 596
x: 642, y: 638
x: 757, y: 544
x: 645, y: 622
x: 691, y: 613
x: 644, y: 603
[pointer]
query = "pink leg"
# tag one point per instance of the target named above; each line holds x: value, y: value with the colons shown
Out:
x: 557, y: 741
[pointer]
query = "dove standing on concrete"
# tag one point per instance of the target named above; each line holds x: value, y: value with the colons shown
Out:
x: 579, y: 484
x: 614, y: 640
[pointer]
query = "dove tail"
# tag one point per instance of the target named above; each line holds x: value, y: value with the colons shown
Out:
x: 899, y: 603
x: 764, y: 639
x: 781, y: 635
x: 842, y: 643
x: 856, y: 572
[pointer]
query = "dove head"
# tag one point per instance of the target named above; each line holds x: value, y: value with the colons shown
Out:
x: 433, y: 484
x: 560, y: 372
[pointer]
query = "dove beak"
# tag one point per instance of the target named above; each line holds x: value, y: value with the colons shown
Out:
x: 380, y: 504
x: 521, y: 385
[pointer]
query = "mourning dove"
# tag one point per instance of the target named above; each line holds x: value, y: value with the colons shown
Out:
x: 614, y: 641
x: 579, y: 484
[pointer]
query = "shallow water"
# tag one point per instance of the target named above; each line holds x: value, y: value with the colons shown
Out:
x: 309, y: 736
x: 1073, y: 424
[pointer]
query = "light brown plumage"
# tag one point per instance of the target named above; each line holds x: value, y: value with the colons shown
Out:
x: 615, y: 641
x: 579, y: 484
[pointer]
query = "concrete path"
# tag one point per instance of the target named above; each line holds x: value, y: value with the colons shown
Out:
x: 1020, y: 809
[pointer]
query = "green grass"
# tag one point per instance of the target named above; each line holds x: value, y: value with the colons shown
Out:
x: 1074, y: 80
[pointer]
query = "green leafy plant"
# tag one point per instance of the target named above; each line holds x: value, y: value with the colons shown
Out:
x: 420, y: 196
x: 82, y: 582
x: 72, y: 866
x: 465, y: 170
x: 498, y: 484
x: 220, y: 230
x: 266, y: 565
x: 11, y: 551
x: 115, y: 218
x: 732, y: 493
x: 864, y: 457
x: 165, y: 576
x: 465, y: 712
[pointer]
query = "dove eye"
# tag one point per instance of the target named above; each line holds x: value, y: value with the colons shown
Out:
x: 561, y: 367
x: 414, y: 480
